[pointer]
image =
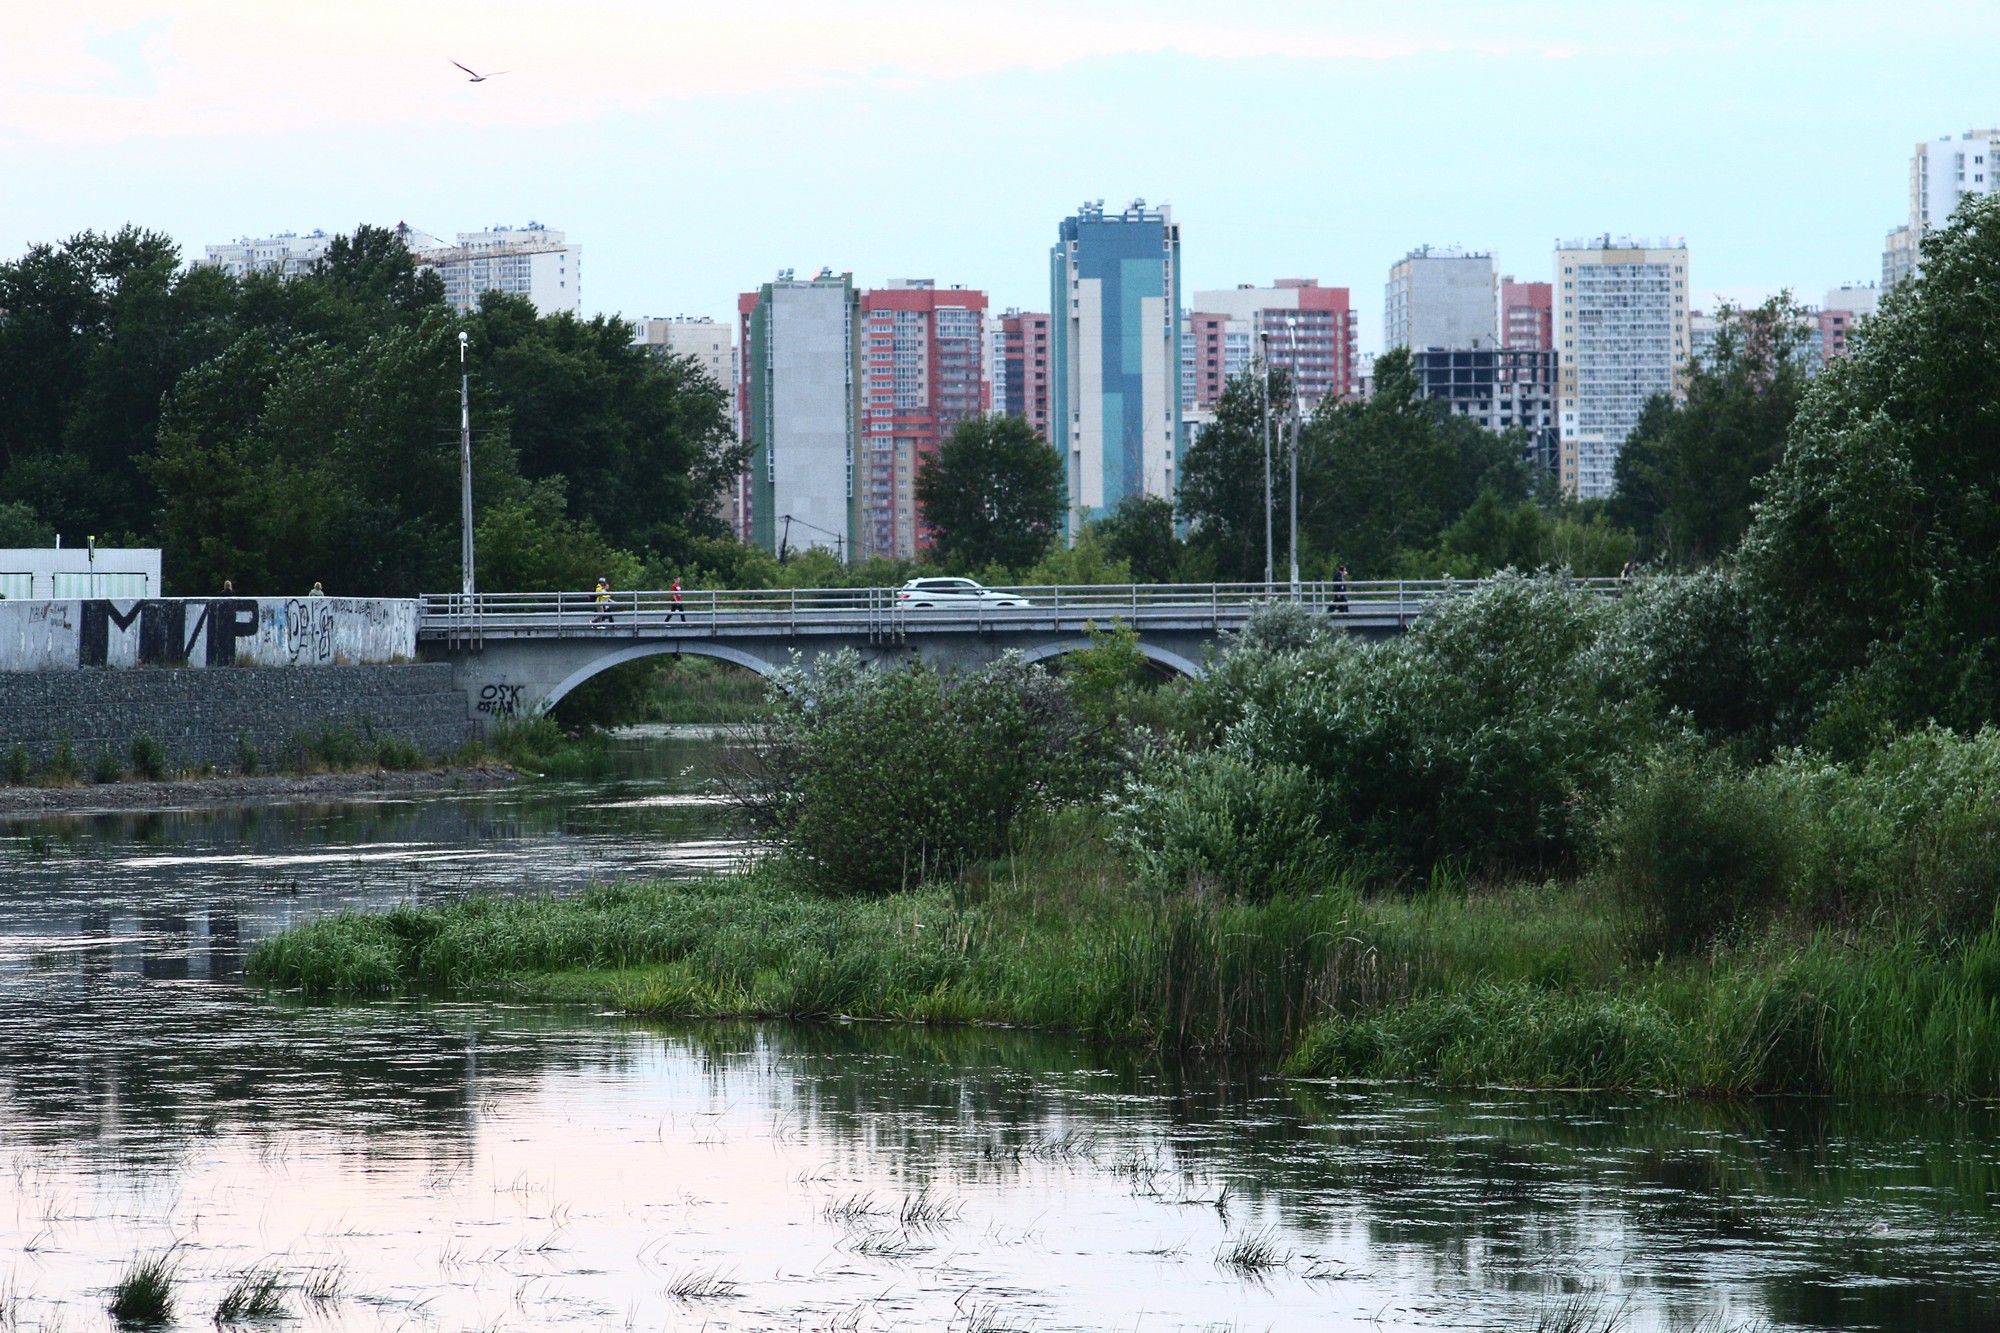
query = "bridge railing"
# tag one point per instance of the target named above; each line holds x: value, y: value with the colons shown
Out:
x: 897, y: 610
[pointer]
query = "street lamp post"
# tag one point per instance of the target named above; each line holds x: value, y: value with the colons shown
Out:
x: 1270, y: 570
x: 465, y: 469
x: 1292, y: 541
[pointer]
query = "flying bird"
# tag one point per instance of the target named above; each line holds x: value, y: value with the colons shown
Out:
x: 481, y: 78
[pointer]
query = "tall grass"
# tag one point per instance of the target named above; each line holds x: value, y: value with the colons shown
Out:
x: 144, y: 1296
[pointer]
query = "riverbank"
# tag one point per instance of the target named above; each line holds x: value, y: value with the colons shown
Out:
x: 193, y: 793
x: 1527, y: 986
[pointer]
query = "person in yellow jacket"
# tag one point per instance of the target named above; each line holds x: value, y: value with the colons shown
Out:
x: 602, y: 596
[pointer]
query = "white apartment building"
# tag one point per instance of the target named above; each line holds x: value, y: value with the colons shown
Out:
x: 287, y: 254
x: 1942, y: 173
x: 1443, y: 297
x: 532, y: 261
x: 1621, y: 336
x: 711, y: 342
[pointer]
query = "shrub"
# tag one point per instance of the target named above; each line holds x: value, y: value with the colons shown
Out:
x: 1478, y: 737
x: 107, y: 766
x: 18, y: 767
x: 1696, y: 846
x: 63, y: 766
x: 337, y: 747
x: 149, y: 756
x: 1215, y: 821
x: 246, y: 754
x: 1284, y: 627
x: 877, y: 779
x: 392, y: 752
x: 1691, y: 642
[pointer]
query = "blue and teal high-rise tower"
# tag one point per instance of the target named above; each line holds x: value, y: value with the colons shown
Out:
x: 1115, y: 349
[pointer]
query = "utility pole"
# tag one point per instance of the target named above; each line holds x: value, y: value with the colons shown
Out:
x: 465, y: 468
x: 1270, y: 562
x: 1292, y: 543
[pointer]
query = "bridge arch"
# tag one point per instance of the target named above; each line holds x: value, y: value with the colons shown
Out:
x: 1155, y: 654
x: 687, y: 647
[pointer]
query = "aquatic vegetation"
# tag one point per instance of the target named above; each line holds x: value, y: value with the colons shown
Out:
x: 700, y: 1285
x: 258, y: 1293
x: 1253, y: 1254
x: 925, y: 1210
x: 144, y: 1296
x: 1579, y: 1314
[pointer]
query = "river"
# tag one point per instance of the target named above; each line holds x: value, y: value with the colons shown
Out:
x: 424, y: 1165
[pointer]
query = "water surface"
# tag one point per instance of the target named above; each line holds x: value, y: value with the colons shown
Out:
x: 483, y: 1166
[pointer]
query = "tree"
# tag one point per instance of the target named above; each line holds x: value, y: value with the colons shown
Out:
x: 644, y: 442
x: 1689, y: 473
x: 1872, y: 567
x: 1388, y: 475
x: 991, y: 495
x: 1139, y: 531
x: 1222, y: 483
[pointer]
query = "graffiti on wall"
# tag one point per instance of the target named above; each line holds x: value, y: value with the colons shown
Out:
x: 165, y: 637
x: 203, y: 632
x: 500, y: 700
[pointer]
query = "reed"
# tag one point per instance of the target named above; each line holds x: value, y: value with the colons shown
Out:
x: 258, y: 1293
x: 144, y: 1296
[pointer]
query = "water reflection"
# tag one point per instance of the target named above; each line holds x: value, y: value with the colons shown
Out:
x: 467, y: 1166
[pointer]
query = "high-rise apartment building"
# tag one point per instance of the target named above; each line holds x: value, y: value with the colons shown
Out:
x: 1500, y: 388
x: 922, y: 373
x: 1023, y: 362
x: 1621, y: 337
x: 287, y: 254
x: 800, y: 405
x: 1942, y: 173
x: 1114, y: 349
x: 1844, y: 306
x: 1440, y: 297
x: 531, y: 261
x: 1306, y: 330
x: 712, y: 343
x: 1527, y: 314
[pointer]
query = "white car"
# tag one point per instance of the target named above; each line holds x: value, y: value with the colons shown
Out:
x: 943, y: 594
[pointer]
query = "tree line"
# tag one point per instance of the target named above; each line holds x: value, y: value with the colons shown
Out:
x: 276, y: 433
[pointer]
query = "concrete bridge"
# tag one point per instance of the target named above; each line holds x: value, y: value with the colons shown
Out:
x: 519, y: 653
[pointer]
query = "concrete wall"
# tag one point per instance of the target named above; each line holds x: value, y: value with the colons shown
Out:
x: 199, y: 714
x: 238, y: 631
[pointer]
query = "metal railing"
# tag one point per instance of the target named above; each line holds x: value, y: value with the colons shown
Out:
x: 895, y: 612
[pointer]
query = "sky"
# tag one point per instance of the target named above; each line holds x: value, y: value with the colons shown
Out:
x: 694, y: 149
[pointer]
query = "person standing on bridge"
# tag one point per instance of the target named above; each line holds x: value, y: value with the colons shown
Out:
x: 602, y: 597
x: 677, y: 609
x: 1340, y: 590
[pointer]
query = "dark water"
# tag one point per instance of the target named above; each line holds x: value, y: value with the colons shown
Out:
x: 489, y: 1166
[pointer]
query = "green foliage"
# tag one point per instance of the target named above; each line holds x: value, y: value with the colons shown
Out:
x: 1101, y: 677
x: 16, y: 769
x: 1690, y: 472
x: 992, y: 494
x: 1697, y: 847
x: 1475, y: 737
x: 1871, y: 568
x: 394, y: 753
x: 21, y: 527
x: 1691, y: 639
x: 1139, y: 534
x: 875, y: 780
x: 614, y: 697
x: 246, y: 755
x: 256, y: 1294
x: 107, y: 766
x: 539, y: 745
x: 1087, y: 560
x: 1212, y: 822
x: 1493, y: 535
x: 701, y: 689
x: 144, y: 1296
x: 149, y: 756
x: 1222, y: 484
x: 63, y: 767
x: 526, y: 542
x: 643, y: 443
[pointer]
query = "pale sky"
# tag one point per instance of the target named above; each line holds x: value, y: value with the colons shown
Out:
x: 693, y: 149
